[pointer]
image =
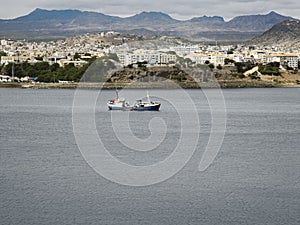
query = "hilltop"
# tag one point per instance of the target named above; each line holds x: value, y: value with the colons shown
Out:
x: 285, y: 34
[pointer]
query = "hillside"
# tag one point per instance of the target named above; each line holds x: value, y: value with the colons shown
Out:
x: 50, y: 24
x: 285, y: 34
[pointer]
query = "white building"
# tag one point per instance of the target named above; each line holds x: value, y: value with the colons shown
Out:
x: 285, y: 59
x: 258, y: 55
x: 4, y: 42
x: 184, y: 50
x: 11, y: 59
x: 152, y: 58
x: 218, y: 59
x: 198, y: 58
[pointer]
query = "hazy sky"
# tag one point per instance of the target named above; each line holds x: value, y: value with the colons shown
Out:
x: 179, y: 9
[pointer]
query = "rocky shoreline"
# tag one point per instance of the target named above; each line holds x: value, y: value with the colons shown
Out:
x: 149, y: 85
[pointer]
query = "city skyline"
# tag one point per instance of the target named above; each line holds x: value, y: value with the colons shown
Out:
x: 177, y: 9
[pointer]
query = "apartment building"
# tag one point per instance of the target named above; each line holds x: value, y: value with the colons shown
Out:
x: 218, y: 59
x: 285, y: 59
x: 151, y: 58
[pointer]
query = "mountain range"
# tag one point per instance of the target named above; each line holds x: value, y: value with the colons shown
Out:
x: 50, y: 24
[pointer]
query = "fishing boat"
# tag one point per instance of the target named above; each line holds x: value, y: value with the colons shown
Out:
x: 118, y: 103
x: 148, y: 105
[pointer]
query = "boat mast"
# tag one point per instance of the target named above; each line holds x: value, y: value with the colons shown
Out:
x: 148, y: 96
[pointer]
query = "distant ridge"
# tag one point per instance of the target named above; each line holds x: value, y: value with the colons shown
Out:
x: 47, y: 24
x: 208, y: 19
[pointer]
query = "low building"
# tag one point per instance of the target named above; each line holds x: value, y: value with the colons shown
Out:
x: 11, y: 59
x: 3, y: 42
x: 5, y: 78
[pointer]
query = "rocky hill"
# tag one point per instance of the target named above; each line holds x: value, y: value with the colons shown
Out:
x: 49, y: 24
x: 286, y: 34
x: 257, y: 22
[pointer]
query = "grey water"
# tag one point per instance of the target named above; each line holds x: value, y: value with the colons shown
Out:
x: 254, y: 179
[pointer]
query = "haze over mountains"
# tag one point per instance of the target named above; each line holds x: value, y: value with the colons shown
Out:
x: 48, y: 24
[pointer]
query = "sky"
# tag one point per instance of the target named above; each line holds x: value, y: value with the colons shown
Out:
x: 178, y: 9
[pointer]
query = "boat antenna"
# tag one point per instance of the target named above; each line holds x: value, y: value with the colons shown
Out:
x: 117, y: 93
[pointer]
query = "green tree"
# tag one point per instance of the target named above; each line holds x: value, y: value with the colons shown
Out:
x: 254, y: 76
x: 211, y: 66
x: 269, y: 69
x: 227, y: 61
x: 230, y: 51
x: 180, y: 77
x: 76, y: 56
x: 239, y: 67
x: 54, y: 67
x: 40, y: 66
x: 243, y: 66
x: 2, y: 54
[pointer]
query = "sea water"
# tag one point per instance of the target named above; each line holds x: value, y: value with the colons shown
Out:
x: 254, y: 179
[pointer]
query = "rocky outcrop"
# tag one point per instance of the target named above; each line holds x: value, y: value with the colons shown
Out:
x: 152, y: 74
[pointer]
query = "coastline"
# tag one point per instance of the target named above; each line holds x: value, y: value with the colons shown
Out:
x: 150, y: 85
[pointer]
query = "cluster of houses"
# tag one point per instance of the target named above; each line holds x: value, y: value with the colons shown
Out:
x: 62, y: 52
x: 290, y: 60
x: 51, y: 60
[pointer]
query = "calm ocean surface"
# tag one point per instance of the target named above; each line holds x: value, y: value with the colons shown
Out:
x: 255, y: 178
